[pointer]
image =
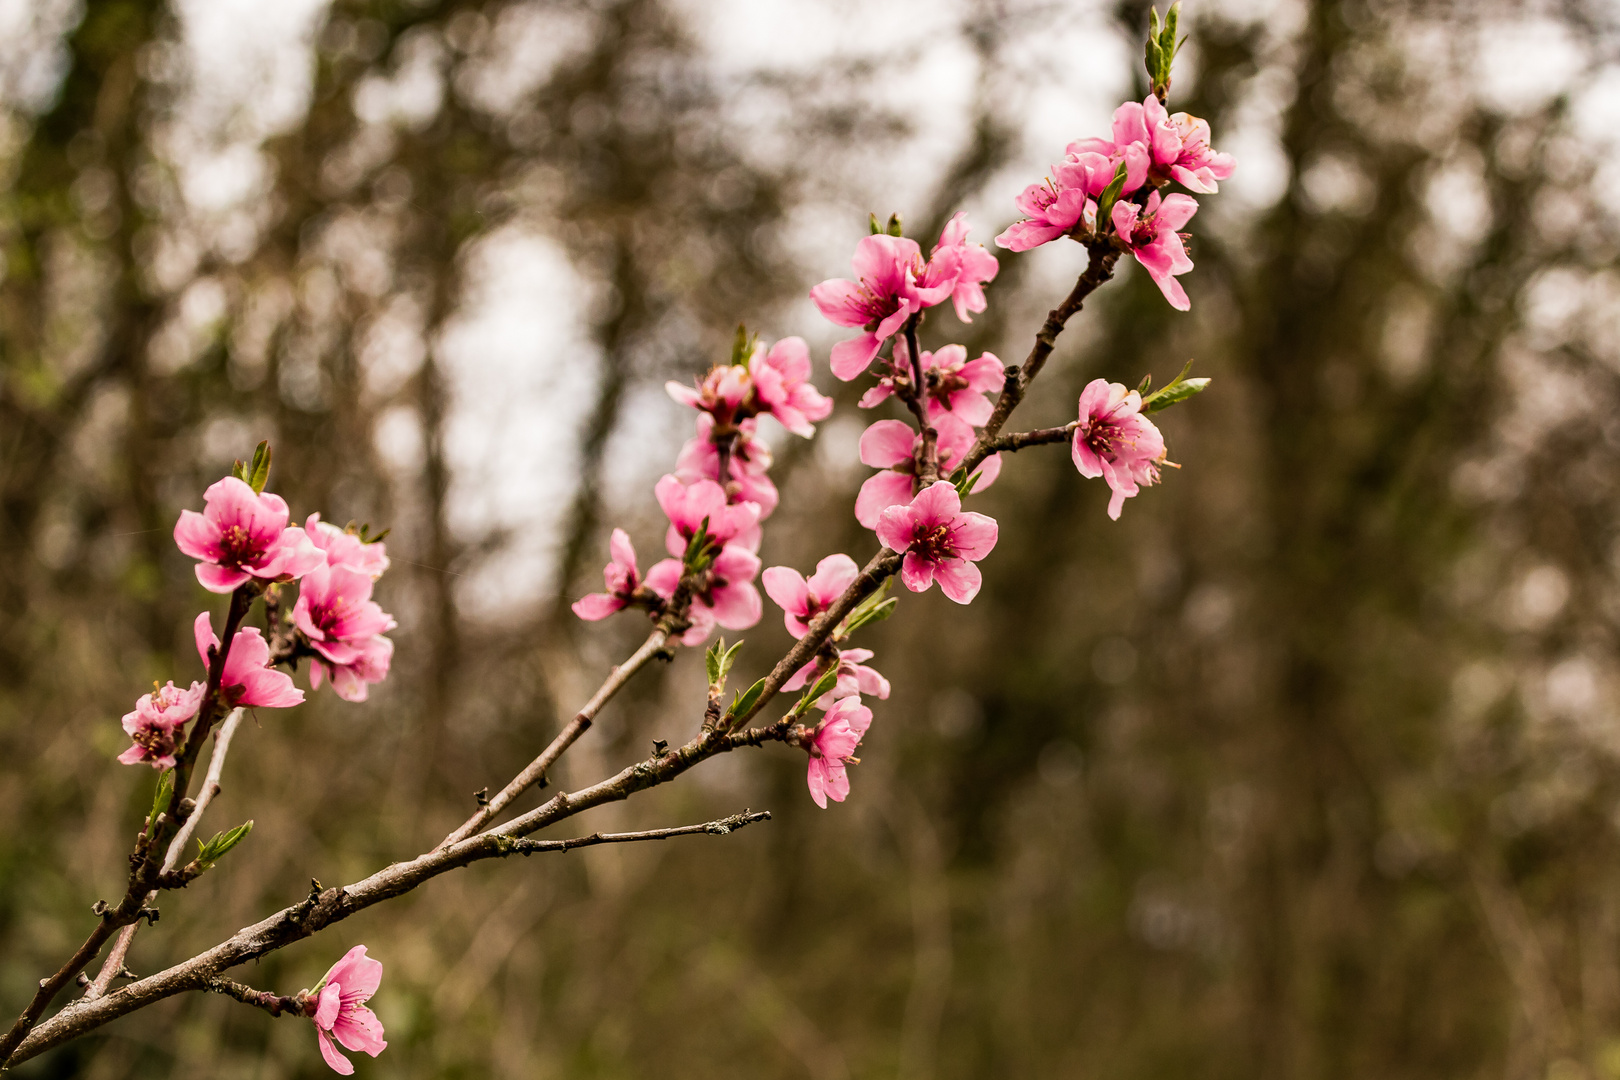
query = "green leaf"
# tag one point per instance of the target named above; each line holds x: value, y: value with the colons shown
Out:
x: 828, y: 680
x: 695, y: 546
x: 1145, y: 385
x: 740, y: 346
x: 965, y: 486
x: 873, y: 224
x: 718, y: 661
x: 259, y: 471
x: 165, y: 792
x: 894, y: 228
x: 1175, y: 395
x: 367, y: 538
x: 872, y: 615
x: 1110, y: 195
x: 745, y: 700
x: 210, y: 853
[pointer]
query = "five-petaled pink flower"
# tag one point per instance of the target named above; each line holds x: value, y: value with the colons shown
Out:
x: 1116, y: 442
x: 891, y: 445
x: 241, y: 535
x: 749, y: 460
x: 854, y: 677
x: 782, y: 385
x: 154, y: 726
x: 939, y: 541
x: 975, y: 266
x: 338, y: 1007
x: 726, y: 595
x: 831, y: 749
x: 688, y: 506
x: 343, y: 548
x: 951, y: 381
x: 621, y: 577
x: 344, y: 625
x: 1157, y: 145
x: 248, y: 680
x: 893, y: 284
x: 1067, y: 200
x: 802, y: 600
x: 1151, y: 232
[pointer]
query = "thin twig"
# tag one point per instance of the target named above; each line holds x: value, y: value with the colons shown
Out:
x: 535, y: 771
x: 216, y: 767
x: 721, y: 827
x: 1018, y: 440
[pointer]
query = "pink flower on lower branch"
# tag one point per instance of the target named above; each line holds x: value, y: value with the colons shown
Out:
x: 854, y: 677
x: 1151, y: 232
x: 343, y: 548
x: 749, y: 461
x: 891, y: 445
x: 344, y: 625
x: 338, y: 1007
x: 831, y: 747
x: 703, y: 504
x: 242, y: 535
x: 893, y: 284
x: 803, y: 599
x: 952, y: 383
x: 248, y: 680
x: 724, y: 594
x: 156, y: 723
x: 621, y: 577
x: 1116, y: 442
x: 939, y: 541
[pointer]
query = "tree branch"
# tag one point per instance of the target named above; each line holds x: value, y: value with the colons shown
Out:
x: 1019, y: 440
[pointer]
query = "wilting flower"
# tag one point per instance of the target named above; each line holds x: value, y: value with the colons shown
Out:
x: 1116, y: 442
x: 689, y: 506
x: 802, y: 600
x: 890, y: 445
x: 725, y: 595
x: 939, y: 540
x: 975, y: 266
x: 854, y: 677
x: 156, y: 723
x: 782, y: 386
x: 749, y: 460
x: 248, y: 679
x: 241, y: 535
x: 893, y: 284
x: 831, y: 748
x: 621, y: 577
x: 1065, y: 200
x: 338, y: 1007
x: 1151, y: 232
x: 344, y: 548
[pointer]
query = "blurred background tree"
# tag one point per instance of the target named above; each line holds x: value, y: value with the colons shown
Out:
x: 1306, y: 768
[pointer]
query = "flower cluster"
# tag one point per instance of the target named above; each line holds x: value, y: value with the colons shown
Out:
x: 1118, y: 179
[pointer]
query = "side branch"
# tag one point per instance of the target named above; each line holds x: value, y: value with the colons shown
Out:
x: 535, y: 772
x: 722, y: 827
x: 1020, y: 440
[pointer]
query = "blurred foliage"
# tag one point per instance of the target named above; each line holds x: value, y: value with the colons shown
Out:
x: 1308, y: 767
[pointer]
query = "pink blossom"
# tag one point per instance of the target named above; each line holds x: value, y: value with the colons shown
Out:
x: 831, y: 748
x: 1067, y: 200
x: 976, y: 266
x: 1116, y: 442
x: 1162, y: 146
x: 893, y: 284
x: 344, y: 548
x: 352, y: 680
x: 951, y: 382
x: 782, y: 385
x: 802, y: 600
x: 1151, y: 232
x: 939, y: 541
x: 688, y: 506
x: 721, y: 393
x: 749, y: 460
x: 621, y: 577
x: 891, y: 445
x: 338, y: 1007
x: 344, y: 625
x: 248, y: 679
x: 155, y: 724
x: 241, y: 535
x: 854, y: 677
x: 725, y: 596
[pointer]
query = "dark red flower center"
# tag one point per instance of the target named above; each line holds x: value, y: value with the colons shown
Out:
x: 238, y: 547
